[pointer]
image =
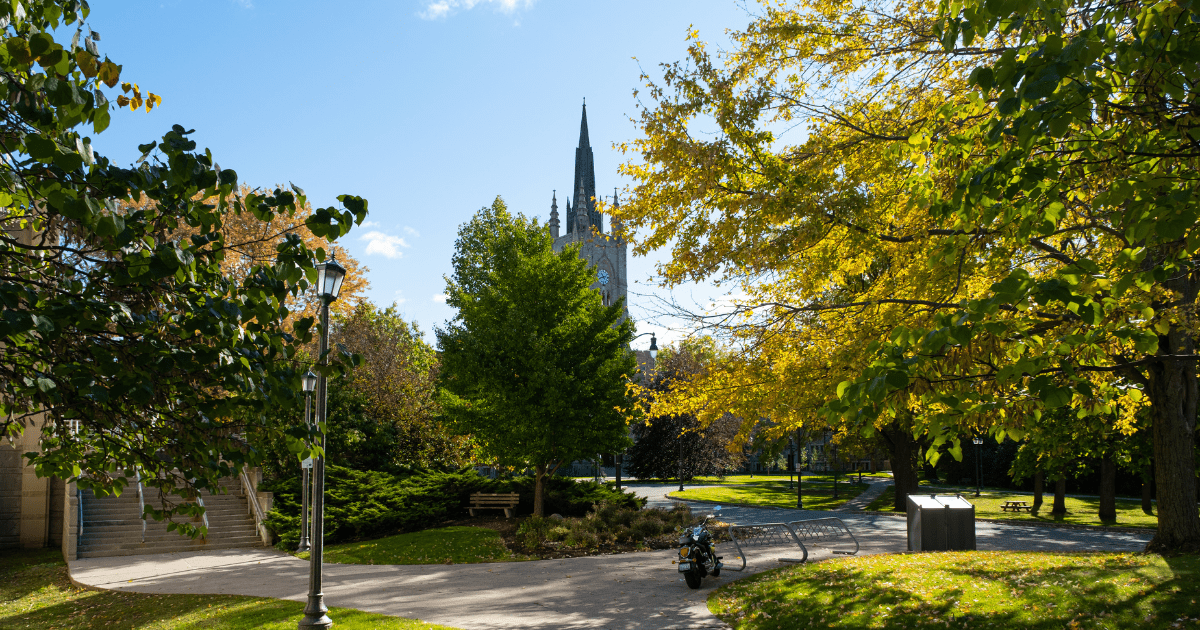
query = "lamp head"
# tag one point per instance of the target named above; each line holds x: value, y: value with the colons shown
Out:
x: 977, y: 441
x: 653, y: 346
x: 329, y: 279
x: 309, y: 381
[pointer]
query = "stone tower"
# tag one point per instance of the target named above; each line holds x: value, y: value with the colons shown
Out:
x: 585, y: 225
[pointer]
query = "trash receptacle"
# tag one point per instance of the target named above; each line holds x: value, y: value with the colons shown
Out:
x: 940, y: 523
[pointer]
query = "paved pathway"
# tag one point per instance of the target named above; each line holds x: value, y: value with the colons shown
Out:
x: 639, y: 591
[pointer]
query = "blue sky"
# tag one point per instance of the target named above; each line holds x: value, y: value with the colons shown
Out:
x: 427, y: 108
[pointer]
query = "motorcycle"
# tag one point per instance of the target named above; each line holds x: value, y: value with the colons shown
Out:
x: 697, y: 555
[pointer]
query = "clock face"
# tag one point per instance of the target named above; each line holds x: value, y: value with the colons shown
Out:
x: 603, y: 277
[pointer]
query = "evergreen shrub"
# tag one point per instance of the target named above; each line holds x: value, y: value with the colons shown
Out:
x: 368, y: 504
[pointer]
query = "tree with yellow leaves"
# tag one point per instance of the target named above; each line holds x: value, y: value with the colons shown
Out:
x: 987, y: 214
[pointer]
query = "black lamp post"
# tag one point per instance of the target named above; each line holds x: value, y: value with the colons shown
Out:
x: 329, y: 282
x: 309, y: 383
x: 681, y: 461
x: 833, y: 448
x: 619, y: 458
x: 799, y: 481
x: 978, y: 464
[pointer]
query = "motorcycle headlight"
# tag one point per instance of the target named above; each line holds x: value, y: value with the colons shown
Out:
x: 683, y: 552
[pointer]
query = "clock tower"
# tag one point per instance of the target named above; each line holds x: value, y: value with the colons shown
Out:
x: 585, y: 225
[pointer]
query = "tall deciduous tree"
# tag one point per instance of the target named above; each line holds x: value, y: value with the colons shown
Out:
x: 677, y: 445
x: 535, y: 368
x: 400, y: 422
x: 139, y: 354
x: 1016, y: 177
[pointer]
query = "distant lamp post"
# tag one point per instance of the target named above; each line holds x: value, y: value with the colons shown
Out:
x: 619, y: 458
x: 329, y: 282
x: 309, y: 383
x: 978, y: 464
x: 833, y: 448
x: 681, y: 461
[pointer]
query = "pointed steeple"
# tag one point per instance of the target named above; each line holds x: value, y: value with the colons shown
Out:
x: 585, y: 178
x: 583, y: 133
x: 554, y: 214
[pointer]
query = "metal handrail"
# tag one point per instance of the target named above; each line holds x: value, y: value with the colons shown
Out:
x: 259, y: 517
x: 204, y: 514
x: 141, y: 504
x: 79, y: 500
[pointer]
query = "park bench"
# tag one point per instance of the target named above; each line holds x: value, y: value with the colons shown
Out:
x: 1015, y: 506
x: 492, y: 501
x: 824, y: 532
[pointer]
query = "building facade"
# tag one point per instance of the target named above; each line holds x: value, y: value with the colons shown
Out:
x: 583, y: 224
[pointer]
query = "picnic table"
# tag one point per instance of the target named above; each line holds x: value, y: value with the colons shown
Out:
x: 1015, y: 506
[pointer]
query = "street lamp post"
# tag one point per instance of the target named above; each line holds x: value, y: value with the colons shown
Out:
x: 978, y: 464
x: 833, y: 447
x: 619, y: 458
x: 681, y: 461
x: 329, y: 282
x: 309, y: 382
x: 799, y: 484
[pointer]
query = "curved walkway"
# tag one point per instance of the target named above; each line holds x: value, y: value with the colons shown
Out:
x: 628, y: 591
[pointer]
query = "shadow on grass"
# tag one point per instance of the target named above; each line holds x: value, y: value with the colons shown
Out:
x: 969, y: 590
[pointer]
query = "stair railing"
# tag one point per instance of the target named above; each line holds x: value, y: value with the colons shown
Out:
x: 79, y: 535
x: 204, y: 514
x: 141, y: 504
x: 252, y: 499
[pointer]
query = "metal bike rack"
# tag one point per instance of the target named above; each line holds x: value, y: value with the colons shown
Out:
x: 818, y: 531
x: 821, y: 530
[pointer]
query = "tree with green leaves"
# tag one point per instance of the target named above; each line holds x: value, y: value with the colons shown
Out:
x: 534, y: 367
x: 130, y: 346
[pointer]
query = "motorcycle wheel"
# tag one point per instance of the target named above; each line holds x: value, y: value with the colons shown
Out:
x: 692, y: 578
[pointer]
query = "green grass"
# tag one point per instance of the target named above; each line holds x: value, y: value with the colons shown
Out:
x: 969, y: 590
x: 777, y: 494
x: 445, y: 545
x: 36, y: 594
x: 1080, y: 511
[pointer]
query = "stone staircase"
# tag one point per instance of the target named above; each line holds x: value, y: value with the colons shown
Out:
x: 112, y: 525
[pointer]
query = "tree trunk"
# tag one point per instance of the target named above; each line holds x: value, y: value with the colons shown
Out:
x: 1108, y: 489
x: 1039, y: 487
x: 902, y: 450
x: 539, y: 506
x: 1148, y: 490
x: 1060, y: 497
x: 1173, y: 394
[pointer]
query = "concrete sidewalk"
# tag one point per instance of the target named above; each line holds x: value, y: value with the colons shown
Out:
x: 637, y: 591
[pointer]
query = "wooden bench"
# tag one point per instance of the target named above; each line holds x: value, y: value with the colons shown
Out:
x: 492, y: 501
x: 1015, y: 506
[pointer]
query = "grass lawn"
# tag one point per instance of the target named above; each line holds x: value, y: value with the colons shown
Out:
x: 36, y: 594
x: 777, y: 494
x: 968, y: 589
x: 1079, y: 511
x: 445, y: 545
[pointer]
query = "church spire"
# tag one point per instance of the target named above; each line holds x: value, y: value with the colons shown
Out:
x: 583, y: 132
x: 585, y: 180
